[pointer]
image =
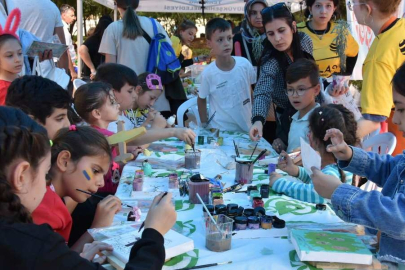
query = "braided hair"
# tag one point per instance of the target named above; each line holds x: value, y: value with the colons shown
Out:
x: 18, y: 143
x: 333, y: 116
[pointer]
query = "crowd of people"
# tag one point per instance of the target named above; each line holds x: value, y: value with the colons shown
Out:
x: 269, y: 80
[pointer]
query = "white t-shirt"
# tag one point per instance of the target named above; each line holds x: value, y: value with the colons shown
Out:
x: 299, y: 129
x: 69, y: 41
x: 229, y: 94
x: 131, y: 53
x: 40, y: 17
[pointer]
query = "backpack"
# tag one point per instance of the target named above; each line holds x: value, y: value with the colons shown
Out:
x: 162, y: 59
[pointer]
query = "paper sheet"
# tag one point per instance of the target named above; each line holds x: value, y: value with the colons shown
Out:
x: 39, y: 47
x: 310, y: 158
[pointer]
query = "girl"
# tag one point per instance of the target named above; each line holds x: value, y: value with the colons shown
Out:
x: 385, y: 210
x: 249, y: 42
x: 321, y: 119
x: 89, y: 50
x: 322, y: 29
x: 25, y: 159
x: 11, y: 56
x: 283, y: 46
x: 142, y: 114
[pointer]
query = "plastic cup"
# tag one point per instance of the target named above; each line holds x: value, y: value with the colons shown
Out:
x: 244, y: 173
x: 219, y: 240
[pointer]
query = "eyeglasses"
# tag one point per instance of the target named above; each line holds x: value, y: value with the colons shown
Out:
x: 300, y: 91
x: 350, y: 5
x: 278, y: 6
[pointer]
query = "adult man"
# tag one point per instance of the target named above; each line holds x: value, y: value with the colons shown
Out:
x: 68, y: 17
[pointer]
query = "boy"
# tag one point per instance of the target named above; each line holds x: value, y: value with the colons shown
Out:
x: 124, y: 82
x: 227, y: 82
x: 303, y: 86
x: 43, y: 100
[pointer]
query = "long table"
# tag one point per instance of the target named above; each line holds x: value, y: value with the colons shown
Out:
x: 251, y: 249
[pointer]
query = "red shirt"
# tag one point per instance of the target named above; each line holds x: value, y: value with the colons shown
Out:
x: 3, y: 91
x: 53, y: 211
x: 109, y: 185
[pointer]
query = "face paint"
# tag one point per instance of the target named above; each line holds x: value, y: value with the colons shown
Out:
x: 87, y: 174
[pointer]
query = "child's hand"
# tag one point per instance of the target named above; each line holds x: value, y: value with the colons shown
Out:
x: 161, y: 215
x: 256, y: 131
x: 339, y: 148
x: 106, y: 209
x: 90, y: 251
x: 273, y: 178
x: 185, y: 134
x: 285, y: 163
x: 278, y: 145
x: 324, y: 184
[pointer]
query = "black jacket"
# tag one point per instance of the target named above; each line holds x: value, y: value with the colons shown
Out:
x: 30, y: 246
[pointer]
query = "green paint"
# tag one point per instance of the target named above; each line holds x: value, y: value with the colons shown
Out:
x: 179, y: 205
x: 157, y: 154
x: 193, y: 255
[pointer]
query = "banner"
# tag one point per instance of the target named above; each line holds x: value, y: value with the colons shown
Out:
x: 364, y: 37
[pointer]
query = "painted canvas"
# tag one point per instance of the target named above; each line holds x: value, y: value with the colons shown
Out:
x: 323, y: 246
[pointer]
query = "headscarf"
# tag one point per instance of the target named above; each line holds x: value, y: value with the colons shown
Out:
x: 251, y: 34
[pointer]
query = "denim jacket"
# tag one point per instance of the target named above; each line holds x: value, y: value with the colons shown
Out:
x: 383, y: 211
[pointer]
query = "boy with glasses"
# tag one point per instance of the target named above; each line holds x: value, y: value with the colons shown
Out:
x: 303, y: 86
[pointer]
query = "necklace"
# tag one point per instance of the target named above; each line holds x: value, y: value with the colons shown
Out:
x: 318, y: 33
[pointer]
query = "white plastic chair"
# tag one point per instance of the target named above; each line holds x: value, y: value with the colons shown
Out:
x: 76, y: 84
x: 190, y: 105
x: 383, y: 144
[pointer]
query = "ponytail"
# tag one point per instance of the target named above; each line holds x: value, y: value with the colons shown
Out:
x: 132, y: 25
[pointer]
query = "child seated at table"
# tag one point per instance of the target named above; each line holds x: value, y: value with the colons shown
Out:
x: 303, y: 86
x: 124, y: 82
x: 42, y: 99
x: 383, y: 211
x: 80, y: 158
x: 321, y: 119
x: 226, y: 82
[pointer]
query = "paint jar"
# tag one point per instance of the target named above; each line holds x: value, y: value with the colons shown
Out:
x: 192, y: 159
x: 250, y: 188
x: 137, y: 184
x: 260, y: 211
x: 210, y: 208
x: 240, y: 211
x: 217, y: 198
x: 231, y: 206
x: 210, y: 139
x: 173, y: 181
x: 257, y: 201
x: 200, y: 140
x: 219, y: 237
x: 220, y: 141
x: 253, y: 223
x: 266, y: 222
x: 232, y: 213
x: 271, y: 168
x: 248, y: 212
x: 240, y: 223
x: 264, y: 190
x: 244, y: 172
x: 220, y: 209
x: 201, y: 187
x: 253, y: 194
x: 147, y: 168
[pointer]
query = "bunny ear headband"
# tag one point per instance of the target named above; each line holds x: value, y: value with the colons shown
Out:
x: 10, y: 28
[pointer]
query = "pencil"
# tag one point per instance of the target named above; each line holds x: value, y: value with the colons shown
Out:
x: 101, y: 197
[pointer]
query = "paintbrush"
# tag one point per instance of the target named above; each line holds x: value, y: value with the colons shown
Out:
x: 206, y: 265
x: 143, y: 223
x: 236, y: 148
x: 209, y: 214
x: 101, y: 197
x: 209, y: 120
x: 254, y: 149
x: 257, y: 158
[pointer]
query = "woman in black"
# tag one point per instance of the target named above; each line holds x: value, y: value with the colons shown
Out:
x: 89, y: 50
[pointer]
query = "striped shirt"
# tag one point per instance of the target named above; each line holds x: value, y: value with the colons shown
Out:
x: 271, y: 84
x: 305, y: 191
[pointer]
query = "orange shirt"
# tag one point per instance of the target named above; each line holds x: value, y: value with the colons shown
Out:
x: 53, y: 212
x: 3, y: 91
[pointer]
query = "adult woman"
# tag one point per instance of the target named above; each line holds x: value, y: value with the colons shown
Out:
x: 123, y: 41
x: 25, y: 160
x: 248, y: 42
x: 89, y: 50
x: 385, y: 56
x: 323, y: 31
x: 283, y: 46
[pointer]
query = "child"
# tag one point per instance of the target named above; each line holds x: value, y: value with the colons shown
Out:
x: 80, y: 158
x: 124, y: 82
x: 23, y: 166
x: 227, y: 82
x: 320, y: 120
x: 44, y: 100
x: 385, y: 210
x: 142, y: 113
x: 302, y: 79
